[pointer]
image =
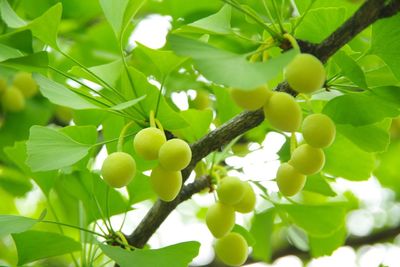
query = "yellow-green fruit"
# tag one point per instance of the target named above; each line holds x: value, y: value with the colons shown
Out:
x: 202, y: 100
x: 305, y: 74
x: 283, y: 112
x: 248, y: 201
x: 63, y: 114
x: 166, y: 184
x: 220, y: 219
x: 307, y: 160
x: 118, y: 169
x: 231, y: 190
x: 175, y: 155
x: 25, y: 83
x: 232, y: 249
x: 3, y: 85
x: 148, y: 141
x: 289, y: 180
x: 251, y: 99
x: 13, y: 100
x: 318, y: 130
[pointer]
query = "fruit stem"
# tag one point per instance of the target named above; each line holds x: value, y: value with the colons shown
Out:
x: 122, y: 136
x: 293, y: 142
x: 292, y: 41
x: 159, y: 125
x: 152, y: 119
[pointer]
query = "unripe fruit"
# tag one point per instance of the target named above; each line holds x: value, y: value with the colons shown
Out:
x: 248, y: 201
x: 13, y: 100
x: 318, y: 130
x: 305, y: 74
x: 63, y: 114
x: 3, y: 85
x: 232, y: 249
x: 307, y: 159
x: 25, y: 83
x: 283, y: 112
x: 289, y: 180
x: 175, y: 155
x: 118, y: 169
x: 148, y: 141
x: 201, y: 101
x: 231, y: 190
x: 251, y: 100
x: 220, y: 219
x: 166, y: 184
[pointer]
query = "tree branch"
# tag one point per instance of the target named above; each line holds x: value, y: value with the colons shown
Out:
x: 371, y: 11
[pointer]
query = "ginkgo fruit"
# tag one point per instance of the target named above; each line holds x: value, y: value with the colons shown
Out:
x: 305, y: 73
x: 289, y: 180
x: 231, y: 190
x: 147, y: 142
x: 3, y: 85
x: 13, y: 100
x: 166, y: 184
x: 283, y: 112
x: 232, y: 249
x: 118, y: 169
x: 63, y: 114
x: 25, y: 83
x: 307, y: 160
x: 251, y: 99
x: 220, y: 219
x: 318, y: 130
x: 248, y: 202
x: 175, y: 155
x: 201, y: 101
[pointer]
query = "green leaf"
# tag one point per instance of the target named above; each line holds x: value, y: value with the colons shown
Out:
x: 10, y: 224
x: 390, y: 94
x: 385, y: 42
x: 350, y: 69
x: 36, y: 245
x: 218, y: 23
x: 177, y: 255
x: 140, y: 189
x: 199, y: 121
x: 128, y: 104
x: 61, y: 95
x: 49, y: 149
x: 7, y: 52
x: 319, y: 221
x: 318, y: 184
x: 345, y: 159
x: 388, y: 168
x: 362, y: 135
x: 262, y: 229
x: 323, y: 246
x: 9, y: 16
x: 228, y: 68
x: 45, y: 27
x: 14, y: 181
x: 120, y: 12
x: 21, y: 40
x: 226, y: 108
x: 245, y: 233
x: 36, y: 62
x: 361, y: 105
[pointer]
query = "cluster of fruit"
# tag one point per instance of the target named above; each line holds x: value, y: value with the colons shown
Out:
x: 173, y: 156
x: 13, y: 96
x: 234, y: 195
x: 305, y: 74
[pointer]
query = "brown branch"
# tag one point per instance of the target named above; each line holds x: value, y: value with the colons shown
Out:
x: 371, y: 11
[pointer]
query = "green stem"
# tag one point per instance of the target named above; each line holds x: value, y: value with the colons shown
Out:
x: 111, y: 140
x: 270, y: 17
x: 302, y: 17
x: 73, y: 226
x: 159, y: 95
x: 121, y: 137
x: 278, y: 16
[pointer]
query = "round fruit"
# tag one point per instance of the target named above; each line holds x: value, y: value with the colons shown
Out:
x: 118, y: 169
x: 232, y: 249
x: 220, y: 219
x: 25, y: 83
x: 166, y: 184
x: 13, y: 100
x: 289, y: 180
x: 231, y: 190
x: 248, y: 201
x: 175, y: 155
x: 283, y: 112
x: 307, y: 160
x: 148, y: 141
x: 63, y: 114
x: 201, y: 101
x: 305, y: 74
x: 318, y: 130
x: 253, y: 99
x: 3, y: 85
